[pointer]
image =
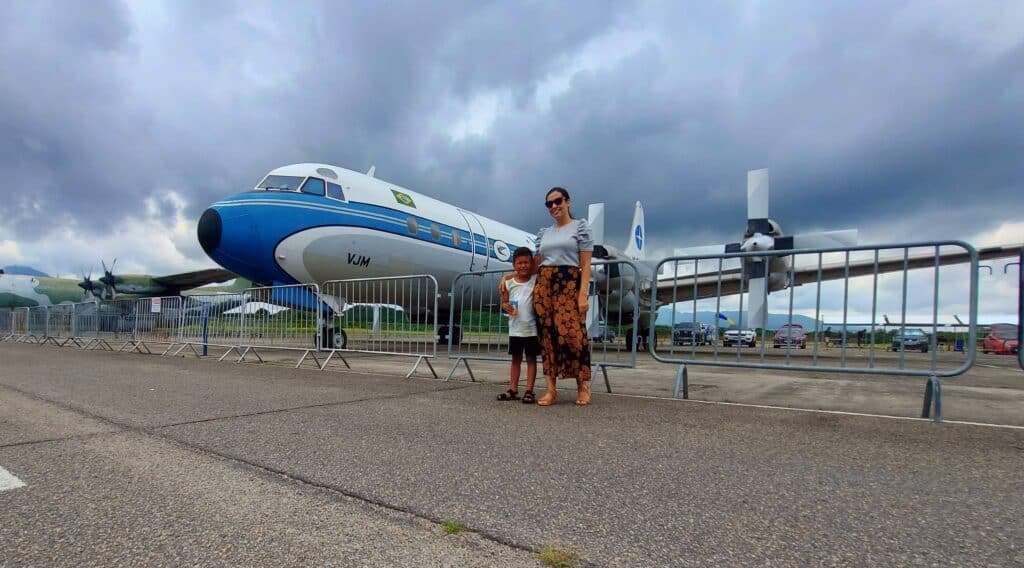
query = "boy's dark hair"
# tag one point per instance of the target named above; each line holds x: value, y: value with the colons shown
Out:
x: 522, y: 251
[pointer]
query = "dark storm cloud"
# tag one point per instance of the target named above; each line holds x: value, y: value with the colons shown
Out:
x: 868, y: 116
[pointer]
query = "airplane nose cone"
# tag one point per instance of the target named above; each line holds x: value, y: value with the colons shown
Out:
x: 210, y: 230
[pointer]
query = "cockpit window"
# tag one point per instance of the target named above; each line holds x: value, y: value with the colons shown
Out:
x: 334, y: 190
x: 281, y: 183
x: 313, y: 186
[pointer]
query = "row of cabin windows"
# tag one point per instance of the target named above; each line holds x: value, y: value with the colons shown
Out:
x: 435, y: 231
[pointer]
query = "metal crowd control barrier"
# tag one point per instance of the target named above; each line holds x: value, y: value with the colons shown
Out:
x: 19, y: 325
x: 6, y: 324
x: 60, y: 324
x: 116, y: 322
x: 1020, y: 305
x: 389, y: 315
x: 37, y: 321
x: 209, y: 320
x: 280, y: 318
x: 825, y: 280
x: 158, y: 321
x: 481, y: 332
x: 87, y: 326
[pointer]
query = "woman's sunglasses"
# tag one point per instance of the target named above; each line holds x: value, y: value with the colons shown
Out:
x: 554, y: 202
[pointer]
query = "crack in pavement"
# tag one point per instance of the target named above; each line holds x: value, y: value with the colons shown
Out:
x: 66, y: 438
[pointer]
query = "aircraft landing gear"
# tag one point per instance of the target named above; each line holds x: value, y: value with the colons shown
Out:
x: 334, y: 338
x: 442, y: 335
x: 641, y: 341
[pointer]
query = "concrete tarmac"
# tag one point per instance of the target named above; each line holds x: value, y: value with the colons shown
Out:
x: 143, y: 460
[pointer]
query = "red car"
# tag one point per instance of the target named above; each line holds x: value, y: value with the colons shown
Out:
x: 792, y: 335
x: 1001, y: 340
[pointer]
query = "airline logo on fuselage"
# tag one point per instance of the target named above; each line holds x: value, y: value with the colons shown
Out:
x: 404, y: 198
x: 502, y: 251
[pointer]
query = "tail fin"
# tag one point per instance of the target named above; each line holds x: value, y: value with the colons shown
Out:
x: 637, y: 235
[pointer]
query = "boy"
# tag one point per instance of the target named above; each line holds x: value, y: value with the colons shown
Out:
x: 517, y: 301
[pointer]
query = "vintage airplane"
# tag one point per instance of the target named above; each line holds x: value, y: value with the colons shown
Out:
x: 311, y: 223
x: 22, y: 291
x: 147, y: 286
x: 758, y: 276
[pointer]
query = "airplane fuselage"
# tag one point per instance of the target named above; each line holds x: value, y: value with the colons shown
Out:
x: 17, y: 291
x: 369, y: 228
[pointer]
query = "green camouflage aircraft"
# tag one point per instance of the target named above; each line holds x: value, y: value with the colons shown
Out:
x: 146, y: 286
x: 17, y: 291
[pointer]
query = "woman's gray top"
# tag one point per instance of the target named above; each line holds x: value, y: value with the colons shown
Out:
x: 561, y: 246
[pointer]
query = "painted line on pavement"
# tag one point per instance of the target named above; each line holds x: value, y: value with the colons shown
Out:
x: 822, y: 411
x: 8, y: 481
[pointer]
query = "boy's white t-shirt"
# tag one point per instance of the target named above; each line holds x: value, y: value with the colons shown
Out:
x: 524, y: 323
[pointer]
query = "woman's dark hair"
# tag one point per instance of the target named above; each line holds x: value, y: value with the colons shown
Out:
x: 564, y: 193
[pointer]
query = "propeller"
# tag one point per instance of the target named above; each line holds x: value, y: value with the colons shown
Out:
x: 109, y: 279
x: 764, y: 274
x: 88, y: 285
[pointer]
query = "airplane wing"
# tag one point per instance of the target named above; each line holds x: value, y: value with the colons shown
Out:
x: 706, y: 285
x: 195, y: 279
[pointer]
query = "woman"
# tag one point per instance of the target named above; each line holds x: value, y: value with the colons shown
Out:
x: 560, y: 299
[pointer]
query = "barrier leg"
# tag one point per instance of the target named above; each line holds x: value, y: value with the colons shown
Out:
x: 254, y: 352
x: 230, y: 350
x: 419, y: 360
x: 309, y: 353
x: 456, y: 366
x: 682, y: 383
x: 932, y: 400
x: 604, y: 371
x: 331, y: 356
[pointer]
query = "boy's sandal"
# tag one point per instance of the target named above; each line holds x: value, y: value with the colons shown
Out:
x: 509, y: 395
x: 529, y: 397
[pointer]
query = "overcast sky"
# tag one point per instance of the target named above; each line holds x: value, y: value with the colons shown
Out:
x: 123, y: 121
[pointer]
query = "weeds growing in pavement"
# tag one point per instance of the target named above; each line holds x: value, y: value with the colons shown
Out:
x: 559, y: 557
x: 453, y: 527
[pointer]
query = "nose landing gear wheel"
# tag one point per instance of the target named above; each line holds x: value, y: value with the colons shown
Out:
x: 334, y: 338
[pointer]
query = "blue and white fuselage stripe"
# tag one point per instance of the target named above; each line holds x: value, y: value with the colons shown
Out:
x: 289, y: 237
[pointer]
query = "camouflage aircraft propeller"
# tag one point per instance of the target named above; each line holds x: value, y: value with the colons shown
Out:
x: 90, y: 286
x: 109, y: 280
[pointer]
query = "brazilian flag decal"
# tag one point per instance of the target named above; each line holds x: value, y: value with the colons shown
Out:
x: 404, y: 198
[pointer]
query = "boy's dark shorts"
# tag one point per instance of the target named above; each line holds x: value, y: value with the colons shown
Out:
x: 520, y: 345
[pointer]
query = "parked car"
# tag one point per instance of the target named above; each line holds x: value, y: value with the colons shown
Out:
x: 792, y: 335
x: 740, y: 336
x: 1001, y: 340
x: 911, y: 339
x: 689, y: 333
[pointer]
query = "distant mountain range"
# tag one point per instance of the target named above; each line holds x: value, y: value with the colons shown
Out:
x: 24, y: 270
x: 775, y: 321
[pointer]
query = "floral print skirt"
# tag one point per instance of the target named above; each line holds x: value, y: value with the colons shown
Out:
x: 561, y: 327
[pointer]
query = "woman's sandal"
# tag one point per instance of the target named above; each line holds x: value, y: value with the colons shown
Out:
x: 509, y: 395
x: 583, y: 393
x: 529, y: 397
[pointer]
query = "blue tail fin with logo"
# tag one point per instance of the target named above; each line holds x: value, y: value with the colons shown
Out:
x: 637, y: 235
